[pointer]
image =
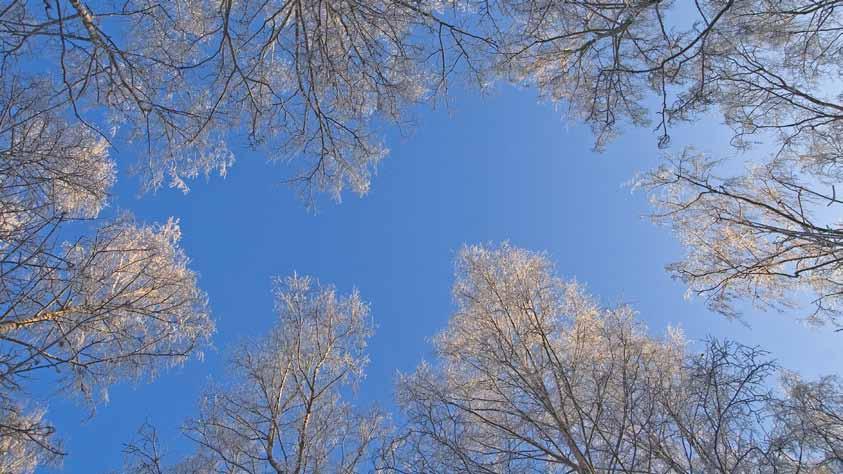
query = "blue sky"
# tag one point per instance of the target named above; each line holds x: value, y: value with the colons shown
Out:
x: 493, y: 168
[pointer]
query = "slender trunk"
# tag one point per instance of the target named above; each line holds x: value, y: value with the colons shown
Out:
x: 9, y: 326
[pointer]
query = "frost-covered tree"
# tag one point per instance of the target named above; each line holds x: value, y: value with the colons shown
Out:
x: 534, y: 376
x: 770, y: 67
x: 96, y: 310
x: 77, y: 312
x: 306, y: 80
x: 766, y: 64
x: 146, y: 455
x: 767, y: 235
x: 283, y: 408
x: 26, y: 441
x: 310, y: 81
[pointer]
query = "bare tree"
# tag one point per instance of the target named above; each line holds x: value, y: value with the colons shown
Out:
x: 770, y: 67
x: 181, y: 78
x: 534, y: 376
x: 115, y: 305
x: 145, y: 455
x: 764, y: 235
x: 305, y: 79
x: 50, y: 170
x: 118, y: 306
x: 26, y: 440
x: 767, y: 65
x: 809, y: 423
x: 283, y: 409
x: 314, y: 79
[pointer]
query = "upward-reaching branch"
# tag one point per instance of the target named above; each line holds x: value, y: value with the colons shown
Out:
x: 762, y: 236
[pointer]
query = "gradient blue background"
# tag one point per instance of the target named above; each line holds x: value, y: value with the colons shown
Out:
x: 501, y: 167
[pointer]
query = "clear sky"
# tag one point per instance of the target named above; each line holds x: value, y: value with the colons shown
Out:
x: 494, y: 168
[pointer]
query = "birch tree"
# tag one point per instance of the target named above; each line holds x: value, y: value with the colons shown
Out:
x: 312, y: 80
x: 119, y: 306
x: 532, y: 375
x: 26, y: 440
x: 146, y: 455
x: 768, y: 66
x: 81, y: 312
x: 283, y: 408
x: 304, y: 81
x: 767, y: 235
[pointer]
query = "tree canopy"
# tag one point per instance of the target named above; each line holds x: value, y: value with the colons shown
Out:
x: 532, y: 373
